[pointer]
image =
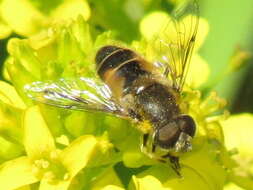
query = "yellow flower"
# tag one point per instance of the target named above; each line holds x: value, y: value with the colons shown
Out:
x: 158, y: 26
x: 25, y: 17
x: 238, y: 139
x: 62, y: 149
x: 54, y: 168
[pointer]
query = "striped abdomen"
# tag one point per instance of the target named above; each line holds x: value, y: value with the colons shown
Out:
x: 119, y: 67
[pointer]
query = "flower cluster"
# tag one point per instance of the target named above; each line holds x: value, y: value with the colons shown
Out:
x: 44, y: 147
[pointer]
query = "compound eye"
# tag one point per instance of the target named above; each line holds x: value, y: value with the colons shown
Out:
x: 167, y: 135
x: 186, y: 124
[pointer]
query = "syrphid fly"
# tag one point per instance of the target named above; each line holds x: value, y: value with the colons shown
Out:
x: 133, y: 88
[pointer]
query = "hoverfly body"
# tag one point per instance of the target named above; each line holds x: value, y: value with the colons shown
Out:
x: 131, y: 87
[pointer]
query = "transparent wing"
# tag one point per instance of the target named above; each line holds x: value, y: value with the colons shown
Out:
x: 175, y: 42
x: 78, y: 94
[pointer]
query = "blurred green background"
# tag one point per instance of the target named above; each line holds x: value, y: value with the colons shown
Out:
x: 231, y: 27
x: 230, y: 35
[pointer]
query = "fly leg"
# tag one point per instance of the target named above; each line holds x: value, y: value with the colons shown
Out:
x: 174, y: 162
x: 148, y: 146
x: 145, y: 140
x: 144, y: 145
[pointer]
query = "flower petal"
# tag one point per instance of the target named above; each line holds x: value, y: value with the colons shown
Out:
x: 232, y: 186
x: 133, y: 159
x: 79, y: 123
x: 25, y: 55
x: 37, y: 137
x: 147, y: 183
x: 191, y: 180
x: 238, y: 131
x: 5, y: 30
x: 153, y: 24
x: 198, y: 65
x: 10, y: 123
x: 203, y: 30
x: 26, y: 187
x: 15, y: 69
x: 81, y: 30
x: 204, y: 165
x: 238, y: 138
x: 29, y: 19
x: 106, y: 180
x: 16, y: 173
x: 9, y: 150
x: 76, y: 156
x: 111, y: 187
x: 159, y: 22
x: 11, y: 95
x: 70, y: 9
x: 61, y: 185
